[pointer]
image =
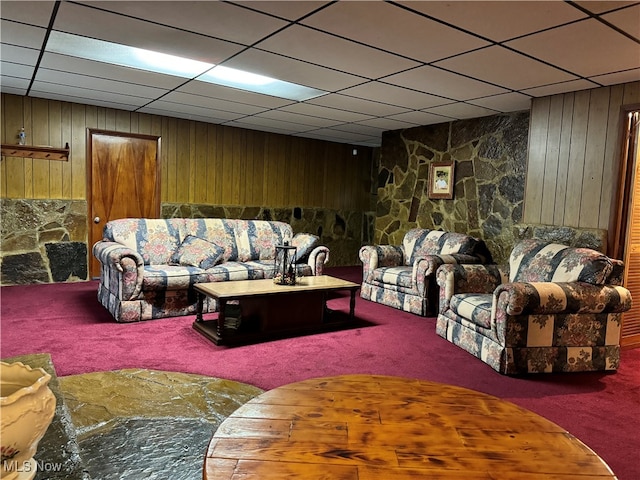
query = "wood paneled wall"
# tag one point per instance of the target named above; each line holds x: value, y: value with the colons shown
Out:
x: 201, y: 163
x: 574, y: 157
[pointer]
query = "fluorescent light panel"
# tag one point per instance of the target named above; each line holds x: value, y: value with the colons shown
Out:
x: 141, y: 59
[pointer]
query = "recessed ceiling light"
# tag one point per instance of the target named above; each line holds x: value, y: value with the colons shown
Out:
x: 148, y: 60
x: 230, y: 77
x: 115, y: 53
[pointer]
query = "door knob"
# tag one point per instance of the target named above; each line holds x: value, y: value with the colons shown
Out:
x: 96, y: 220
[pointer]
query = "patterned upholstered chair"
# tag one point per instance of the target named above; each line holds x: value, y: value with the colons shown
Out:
x: 552, y: 309
x: 403, y: 276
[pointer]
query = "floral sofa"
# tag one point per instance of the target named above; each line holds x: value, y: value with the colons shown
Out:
x: 553, y: 308
x: 148, y: 266
x: 403, y: 276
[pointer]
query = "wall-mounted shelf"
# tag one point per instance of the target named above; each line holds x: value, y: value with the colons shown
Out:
x: 33, y: 151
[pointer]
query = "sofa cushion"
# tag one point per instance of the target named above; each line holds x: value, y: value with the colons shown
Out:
x: 171, y: 277
x: 215, y: 230
x: 197, y: 252
x: 538, y: 261
x: 304, y: 243
x: 399, y: 276
x: 257, y: 239
x: 420, y: 242
x: 474, y: 307
x: 153, y: 238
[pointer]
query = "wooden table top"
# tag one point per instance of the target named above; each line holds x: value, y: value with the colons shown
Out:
x: 364, y: 427
x: 248, y: 288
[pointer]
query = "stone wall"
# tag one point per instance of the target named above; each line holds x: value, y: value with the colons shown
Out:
x: 43, y: 241
x: 490, y: 165
x: 46, y: 241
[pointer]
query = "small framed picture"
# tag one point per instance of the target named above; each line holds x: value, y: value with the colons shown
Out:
x: 441, y: 180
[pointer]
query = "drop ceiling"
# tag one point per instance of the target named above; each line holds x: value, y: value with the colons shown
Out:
x: 384, y: 65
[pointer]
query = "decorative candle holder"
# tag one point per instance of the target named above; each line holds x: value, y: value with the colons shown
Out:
x: 284, y: 272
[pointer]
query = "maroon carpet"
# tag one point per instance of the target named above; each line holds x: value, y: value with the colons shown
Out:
x: 65, y: 320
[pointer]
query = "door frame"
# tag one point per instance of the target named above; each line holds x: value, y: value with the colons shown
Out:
x: 89, y: 175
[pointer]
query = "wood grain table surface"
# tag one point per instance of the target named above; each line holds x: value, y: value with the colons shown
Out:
x: 364, y: 427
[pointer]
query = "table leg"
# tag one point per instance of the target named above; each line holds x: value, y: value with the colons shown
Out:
x: 222, y: 305
x: 199, y: 307
x: 352, y: 304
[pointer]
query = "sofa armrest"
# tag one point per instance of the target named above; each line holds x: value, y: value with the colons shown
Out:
x: 467, y: 278
x: 124, y: 260
x: 374, y: 256
x: 545, y: 298
x: 318, y: 257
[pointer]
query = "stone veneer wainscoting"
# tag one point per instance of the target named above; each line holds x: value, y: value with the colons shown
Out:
x: 45, y: 241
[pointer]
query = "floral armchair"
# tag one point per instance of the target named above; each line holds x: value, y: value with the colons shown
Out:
x: 403, y: 276
x: 552, y: 309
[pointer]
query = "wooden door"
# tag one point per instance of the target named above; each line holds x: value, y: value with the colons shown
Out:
x: 124, y: 181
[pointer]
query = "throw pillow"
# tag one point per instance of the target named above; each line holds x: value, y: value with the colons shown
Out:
x: 305, y: 243
x: 197, y: 252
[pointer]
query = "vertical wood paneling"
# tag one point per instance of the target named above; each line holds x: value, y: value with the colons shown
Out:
x: 563, y: 155
x: 65, y: 137
x: 611, y: 164
x: 552, y: 160
x: 55, y: 138
x: 78, y: 152
x: 594, y: 157
x: 14, y: 168
x: 200, y: 163
x: 40, y: 136
x: 538, y: 131
x: 577, y: 158
x: 586, y: 135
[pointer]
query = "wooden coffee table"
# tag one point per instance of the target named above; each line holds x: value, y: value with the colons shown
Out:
x: 365, y: 427
x: 256, y: 310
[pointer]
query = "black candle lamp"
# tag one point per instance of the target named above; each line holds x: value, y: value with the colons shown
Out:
x: 285, y: 267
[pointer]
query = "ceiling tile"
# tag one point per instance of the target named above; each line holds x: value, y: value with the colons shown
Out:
x: 22, y: 55
x: 504, y: 67
x: 291, y: 10
x: 368, y: 107
x: 618, y: 77
x: 320, y: 48
x: 211, y: 18
x: 602, y: 6
x: 393, y: 29
x: 85, y: 95
x: 325, y: 112
x: 507, y: 102
x: 462, y: 110
x: 21, y: 35
x: 416, y: 118
x: 301, y: 119
x: 499, y: 20
x: 436, y: 81
x: 232, y: 94
x: 215, y: 116
x: 627, y: 19
x: 554, y: 89
x: 213, y: 103
x: 97, y: 83
x: 586, y: 48
x: 292, y: 70
x: 392, y: 94
x: 28, y: 12
x: 89, y: 22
